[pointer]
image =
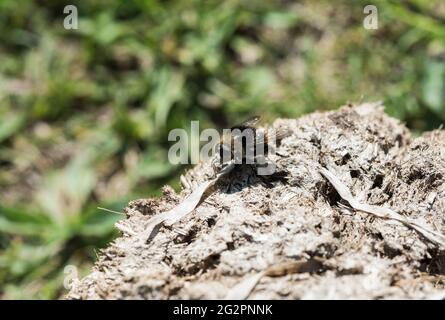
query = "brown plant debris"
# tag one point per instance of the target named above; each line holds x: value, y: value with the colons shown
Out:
x: 356, y: 211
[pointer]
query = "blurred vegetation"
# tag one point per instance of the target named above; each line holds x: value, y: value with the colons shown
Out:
x: 84, y: 114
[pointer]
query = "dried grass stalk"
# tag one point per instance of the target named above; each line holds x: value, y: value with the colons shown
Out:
x: 186, y: 207
x: 381, y: 212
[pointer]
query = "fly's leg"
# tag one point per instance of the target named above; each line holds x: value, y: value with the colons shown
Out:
x: 185, y: 182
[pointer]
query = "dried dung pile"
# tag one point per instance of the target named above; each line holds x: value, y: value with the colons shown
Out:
x: 297, y: 237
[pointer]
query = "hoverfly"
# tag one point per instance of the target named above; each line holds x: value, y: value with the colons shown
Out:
x: 246, y: 144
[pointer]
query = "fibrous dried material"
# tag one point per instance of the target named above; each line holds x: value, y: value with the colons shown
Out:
x: 369, y: 227
x: 382, y: 212
x: 186, y: 206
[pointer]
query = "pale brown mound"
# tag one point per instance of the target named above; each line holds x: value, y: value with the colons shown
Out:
x: 248, y: 224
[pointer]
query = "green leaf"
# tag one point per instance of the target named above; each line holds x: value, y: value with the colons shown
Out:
x: 433, y: 87
x: 281, y: 19
x: 168, y: 90
x: 10, y: 124
x: 65, y: 191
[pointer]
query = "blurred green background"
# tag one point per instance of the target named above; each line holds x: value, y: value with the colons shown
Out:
x: 84, y: 114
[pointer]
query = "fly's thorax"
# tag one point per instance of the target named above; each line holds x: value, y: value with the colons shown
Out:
x: 244, y: 146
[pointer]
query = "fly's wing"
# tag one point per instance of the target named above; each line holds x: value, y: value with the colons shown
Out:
x: 273, y: 135
x: 251, y: 122
x: 281, y: 133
